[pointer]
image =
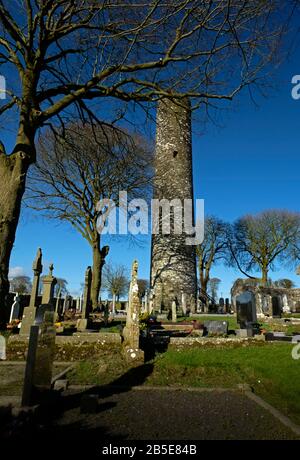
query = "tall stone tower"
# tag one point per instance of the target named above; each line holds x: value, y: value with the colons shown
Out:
x: 173, y: 262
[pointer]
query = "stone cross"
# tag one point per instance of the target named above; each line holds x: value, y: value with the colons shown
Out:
x: 84, y: 322
x: 37, y: 268
x: 49, y: 283
x: 131, y: 332
x: 30, y: 311
x: 15, y: 309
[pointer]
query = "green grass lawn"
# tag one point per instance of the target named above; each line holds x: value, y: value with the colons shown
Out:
x: 277, y: 326
x: 231, y: 320
x: 267, y: 367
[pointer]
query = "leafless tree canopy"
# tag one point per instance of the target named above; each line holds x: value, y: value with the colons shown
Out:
x: 84, y: 165
x: 69, y: 52
x: 213, y: 249
x: 115, y: 279
x: 260, y: 241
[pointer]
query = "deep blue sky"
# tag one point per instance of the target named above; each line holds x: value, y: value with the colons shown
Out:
x: 250, y: 164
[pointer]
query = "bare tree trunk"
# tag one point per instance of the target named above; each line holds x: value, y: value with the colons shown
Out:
x: 98, y: 263
x: 264, y: 278
x: 13, y: 170
x: 203, y: 283
x: 114, y: 304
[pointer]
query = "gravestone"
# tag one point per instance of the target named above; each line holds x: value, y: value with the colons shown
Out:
x: 49, y: 283
x: 45, y: 352
x: 146, y: 301
x: 192, y: 304
x: 40, y: 357
x: 84, y: 322
x: 221, y: 305
x: 2, y: 348
x: 57, y: 305
x: 246, y: 310
x: 106, y: 313
x: 131, y: 332
x: 40, y: 313
x: 216, y: 327
x: 151, y: 303
x: 227, y: 305
x: 174, y: 312
x: 183, y: 303
x: 30, y: 311
x: 15, y: 309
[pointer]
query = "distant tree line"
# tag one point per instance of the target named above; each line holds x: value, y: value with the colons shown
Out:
x: 253, y: 243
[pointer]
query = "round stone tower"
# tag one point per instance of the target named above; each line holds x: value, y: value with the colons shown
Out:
x: 173, y: 262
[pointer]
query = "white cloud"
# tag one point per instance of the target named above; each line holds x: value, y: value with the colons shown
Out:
x: 16, y: 271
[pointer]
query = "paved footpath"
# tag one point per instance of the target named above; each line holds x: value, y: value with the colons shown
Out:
x: 153, y: 414
x: 156, y: 414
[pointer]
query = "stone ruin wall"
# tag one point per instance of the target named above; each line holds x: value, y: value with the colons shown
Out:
x: 288, y: 299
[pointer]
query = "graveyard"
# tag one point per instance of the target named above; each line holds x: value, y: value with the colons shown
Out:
x: 91, y: 357
x: 149, y: 226
x: 65, y: 360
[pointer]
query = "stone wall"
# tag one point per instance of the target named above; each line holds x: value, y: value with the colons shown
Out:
x: 173, y: 263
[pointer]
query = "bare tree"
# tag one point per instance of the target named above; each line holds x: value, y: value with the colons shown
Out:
x: 58, y: 55
x: 284, y: 283
x: 213, y: 249
x: 76, y: 170
x: 143, y: 286
x: 213, y: 287
x: 260, y: 241
x: 115, y: 281
x: 21, y: 284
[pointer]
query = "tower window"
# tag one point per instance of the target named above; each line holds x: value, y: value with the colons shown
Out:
x: 175, y: 153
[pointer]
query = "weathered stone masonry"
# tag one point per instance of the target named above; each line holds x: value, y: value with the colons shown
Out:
x: 173, y: 263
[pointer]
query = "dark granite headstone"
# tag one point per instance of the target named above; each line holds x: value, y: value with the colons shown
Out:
x: 246, y: 309
x: 216, y: 327
x: 40, y: 314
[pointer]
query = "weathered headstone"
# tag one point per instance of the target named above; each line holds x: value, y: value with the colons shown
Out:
x: 2, y: 348
x: 146, y: 301
x: 45, y: 352
x: 221, y: 305
x: 183, y: 302
x: 174, y: 312
x: 216, y: 327
x: 131, y: 331
x: 57, y: 305
x: 106, y: 313
x: 40, y: 313
x: 40, y: 357
x: 30, y: 311
x: 49, y: 283
x: 84, y: 322
x: 28, y: 388
x: 227, y: 305
x: 192, y: 304
x: 246, y: 309
x: 151, y: 303
x: 15, y: 309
